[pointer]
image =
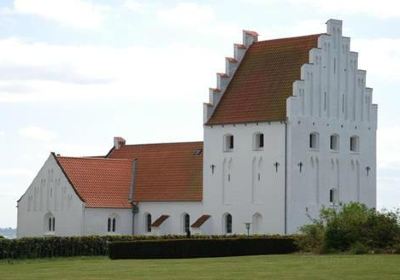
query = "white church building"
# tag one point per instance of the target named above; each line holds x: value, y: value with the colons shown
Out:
x: 289, y: 128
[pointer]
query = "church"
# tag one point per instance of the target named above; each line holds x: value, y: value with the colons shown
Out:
x: 289, y: 128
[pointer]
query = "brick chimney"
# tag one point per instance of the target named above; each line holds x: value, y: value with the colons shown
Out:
x: 119, y: 142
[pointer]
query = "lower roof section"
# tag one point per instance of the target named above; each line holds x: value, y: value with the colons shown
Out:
x: 165, y: 172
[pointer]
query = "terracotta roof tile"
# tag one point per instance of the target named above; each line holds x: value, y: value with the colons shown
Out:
x: 160, y: 220
x: 263, y: 81
x: 200, y: 221
x: 99, y: 182
x: 165, y: 172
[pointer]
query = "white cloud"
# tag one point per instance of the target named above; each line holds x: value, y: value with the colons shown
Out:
x: 73, y: 13
x: 188, y: 14
x: 2, y: 133
x: 135, y: 6
x: 37, y: 133
x: 380, y: 9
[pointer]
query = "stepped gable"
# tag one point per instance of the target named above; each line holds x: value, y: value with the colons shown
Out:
x: 165, y: 172
x: 100, y: 183
x: 258, y: 80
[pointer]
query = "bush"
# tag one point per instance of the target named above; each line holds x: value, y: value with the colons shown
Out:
x: 353, y: 228
x: 42, y: 247
x: 191, y: 248
x: 2, y: 237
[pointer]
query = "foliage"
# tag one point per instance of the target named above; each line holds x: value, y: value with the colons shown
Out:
x: 41, y: 247
x: 353, y: 228
x: 1, y: 237
x: 189, y: 248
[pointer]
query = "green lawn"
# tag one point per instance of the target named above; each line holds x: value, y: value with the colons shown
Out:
x: 252, y: 267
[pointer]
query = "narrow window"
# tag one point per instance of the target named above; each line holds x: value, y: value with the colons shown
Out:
x: 113, y: 225
x: 354, y: 144
x: 50, y: 224
x: 334, y: 142
x: 54, y: 224
x: 228, y: 223
x: 259, y: 141
x: 313, y: 141
x: 228, y: 143
x: 186, y: 223
x: 332, y: 195
x: 148, y: 223
x: 109, y: 224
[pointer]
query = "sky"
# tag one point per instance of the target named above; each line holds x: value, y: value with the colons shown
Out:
x: 76, y: 73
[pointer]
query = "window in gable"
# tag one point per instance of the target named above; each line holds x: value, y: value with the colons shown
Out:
x: 258, y: 141
x: 354, y: 144
x: 314, y: 140
x: 228, y: 143
x: 334, y: 142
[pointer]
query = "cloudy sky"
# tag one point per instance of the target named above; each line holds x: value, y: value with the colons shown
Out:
x: 75, y: 73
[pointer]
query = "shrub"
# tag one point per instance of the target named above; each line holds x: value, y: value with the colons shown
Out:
x: 191, y: 248
x: 353, y: 228
x: 41, y: 247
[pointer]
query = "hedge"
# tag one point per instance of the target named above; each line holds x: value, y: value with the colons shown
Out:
x: 44, y: 247
x: 192, y: 248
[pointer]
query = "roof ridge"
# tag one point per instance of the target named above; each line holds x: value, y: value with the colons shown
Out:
x: 86, y: 158
x: 286, y: 38
x: 164, y: 143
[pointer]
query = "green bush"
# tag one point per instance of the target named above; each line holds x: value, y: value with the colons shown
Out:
x: 193, y: 248
x: 42, y: 247
x: 1, y: 237
x: 353, y: 228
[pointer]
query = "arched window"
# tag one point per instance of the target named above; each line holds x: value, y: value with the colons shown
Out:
x: 314, y: 140
x: 354, y: 143
x: 332, y: 195
x: 148, y: 222
x: 228, y: 223
x: 258, y: 141
x: 186, y: 223
x: 49, y: 223
x: 228, y: 143
x: 112, y: 223
x: 334, y: 142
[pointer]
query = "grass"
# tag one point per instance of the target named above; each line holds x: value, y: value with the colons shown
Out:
x: 251, y: 267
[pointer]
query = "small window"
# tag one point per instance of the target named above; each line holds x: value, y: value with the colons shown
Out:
x: 112, y: 224
x: 109, y: 224
x: 228, y: 143
x: 186, y: 223
x: 354, y: 144
x: 52, y: 224
x: 314, y: 140
x: 228, y: 223
x: 258, y: 141
x: 334, y: 142
x: 148, y: 223
x: 332, y: 195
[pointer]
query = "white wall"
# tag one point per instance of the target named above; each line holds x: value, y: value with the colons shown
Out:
x: 175, y: 210
x: 330, y: 99
x: 245, y: 180
x: 96, y: 221
x: 50, y: 192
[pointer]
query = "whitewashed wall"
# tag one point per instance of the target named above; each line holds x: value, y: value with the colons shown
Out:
x: 330, y: 99
x: 245, y: 181
x: 96, y: 221
x: 50, y: 192
x: 175, y: 210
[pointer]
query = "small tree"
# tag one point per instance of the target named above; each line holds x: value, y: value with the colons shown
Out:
x: 353, y: 227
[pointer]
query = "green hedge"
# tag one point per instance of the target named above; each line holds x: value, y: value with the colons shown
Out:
x: 192, y: 248
x: 44, y: 247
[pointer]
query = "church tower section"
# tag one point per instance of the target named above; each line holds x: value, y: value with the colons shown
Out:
x: 331, y: 132
x: 245, y: 134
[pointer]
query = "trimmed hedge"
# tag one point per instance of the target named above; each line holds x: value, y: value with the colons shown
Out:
x: 193, y: 248
x: 44, y: 247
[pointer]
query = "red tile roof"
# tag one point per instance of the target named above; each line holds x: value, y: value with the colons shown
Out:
x: 263, y: 81
x: 165, y: 172
x: 103, y: 183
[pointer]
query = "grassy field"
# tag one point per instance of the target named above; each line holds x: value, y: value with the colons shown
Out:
x: 252, y: 267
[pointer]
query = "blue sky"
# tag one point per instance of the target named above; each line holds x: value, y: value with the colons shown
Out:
x: 75, y: 73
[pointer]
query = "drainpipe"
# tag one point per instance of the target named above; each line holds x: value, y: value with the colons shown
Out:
x: 135, y: 208
x: 286, y: 174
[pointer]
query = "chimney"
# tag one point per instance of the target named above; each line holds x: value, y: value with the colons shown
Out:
x: 119, y: 142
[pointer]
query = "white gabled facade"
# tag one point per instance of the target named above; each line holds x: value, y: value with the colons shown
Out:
x: 49, y: 196
x: 322, y: 154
